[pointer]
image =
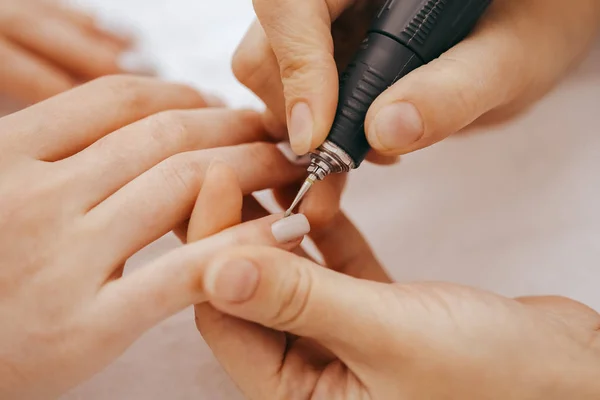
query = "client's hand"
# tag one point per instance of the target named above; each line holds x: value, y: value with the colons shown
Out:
x: 88, y: 178
x: 47, y: 48
x: 293, y: 329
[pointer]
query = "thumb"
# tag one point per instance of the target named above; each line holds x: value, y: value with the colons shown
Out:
x: 487, y: 70
x: 572, y: 312
x: 300, y: 36
x: 288, y: 293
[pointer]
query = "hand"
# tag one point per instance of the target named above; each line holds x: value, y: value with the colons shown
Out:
x: 88, y: 178
x: 353, y: 338
x: 47, y: 48
x: 517, y: 53
x: 291, y: 57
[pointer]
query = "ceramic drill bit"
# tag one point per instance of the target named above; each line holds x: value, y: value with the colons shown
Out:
x: 303, y: 190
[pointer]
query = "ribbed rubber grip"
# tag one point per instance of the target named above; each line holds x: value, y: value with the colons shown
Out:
x: 429, y: 27
x: 404, y: 35
x: 364, y: 80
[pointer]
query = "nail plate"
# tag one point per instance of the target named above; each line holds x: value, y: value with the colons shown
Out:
x: 396, y: 127
x: 291, y: 228
x: 301, y: 128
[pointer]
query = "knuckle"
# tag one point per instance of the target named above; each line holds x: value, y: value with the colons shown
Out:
x: 248, y: 62
x: 292, y: 66
x: 306, y: 72
x: 243, y: 64
x: 295, y: 299
x: 168, y: 130
x: 181, y: 173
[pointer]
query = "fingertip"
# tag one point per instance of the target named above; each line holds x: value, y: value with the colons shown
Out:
x: 219, y: 203
x: 382, y: 159
x: 395, y: 128
x: 290, y: 229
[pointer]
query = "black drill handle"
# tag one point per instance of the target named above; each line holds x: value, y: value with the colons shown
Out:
x: 405, y: 35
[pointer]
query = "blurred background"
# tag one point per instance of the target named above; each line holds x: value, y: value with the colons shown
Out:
x: 515, y: 210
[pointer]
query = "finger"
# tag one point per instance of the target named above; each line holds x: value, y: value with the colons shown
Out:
x: 116, y: 159
x: 301, y: 40
x: 572, y: 312
x: 161, y: 198
x: 95, y: 109
x: 100, y: 28
x: 381, y: 159
x: 291, y: 294
x: 275, y: 126
x: 228, y: 337
x: 66, y: 45
x: 487, y: 71
x: 17, y: 69
x: 251, y: 210
x: 344, y: 249
x: 145, y: 297
x: 219, y: 205
x: 322, y: 203
x: 255, y: 65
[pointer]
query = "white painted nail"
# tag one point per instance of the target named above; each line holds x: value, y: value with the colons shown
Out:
x: 135, y: 62
x: 116, y: 27
x: 286, y: 150
x: 291, y: 228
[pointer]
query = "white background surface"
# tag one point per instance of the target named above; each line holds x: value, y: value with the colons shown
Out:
x: 515, y: 210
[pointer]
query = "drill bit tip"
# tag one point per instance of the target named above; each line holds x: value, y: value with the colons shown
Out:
x: 303, y: 190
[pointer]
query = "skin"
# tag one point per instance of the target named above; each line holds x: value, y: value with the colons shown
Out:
x: 47, y: 48
x: 519, y: 51
x: 292, y: 329
x: 78, y: 198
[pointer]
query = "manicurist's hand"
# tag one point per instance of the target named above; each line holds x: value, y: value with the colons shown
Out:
x: 87, y: 179
x: 47, y: 48
x: 520, y: 49
x: 291, y: 58
x: 284, y: 327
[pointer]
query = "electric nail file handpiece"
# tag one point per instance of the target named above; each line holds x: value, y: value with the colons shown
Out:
x: 404, y: 35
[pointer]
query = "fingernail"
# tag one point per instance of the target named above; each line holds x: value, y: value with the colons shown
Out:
x: 117, y: 28
x: 135, y: 62
x: 291, y: 228
x: 301, y: 128
x: 232, y: 281
x: 288, y: 153
x: 396, y: 127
